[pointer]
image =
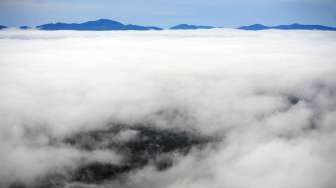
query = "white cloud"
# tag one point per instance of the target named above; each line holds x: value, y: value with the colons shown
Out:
x: 231, y: 83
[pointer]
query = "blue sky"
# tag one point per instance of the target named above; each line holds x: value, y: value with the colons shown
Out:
x: 166, y: 13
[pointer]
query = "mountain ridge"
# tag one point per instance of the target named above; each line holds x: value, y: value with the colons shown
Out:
x: 294, y: 26
x: 109, y: 25
x: 2, y: 27
x: 190, y: 27
x: 97, y: 25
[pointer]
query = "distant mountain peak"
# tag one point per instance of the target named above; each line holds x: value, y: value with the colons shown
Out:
x: 97, y: 25
x: 258, y: 25
x: 188, y: 26
x: 25, y: 27
x: 294, y: 26
x: 2, y: 27
x: 254, y: 27
x: 104, y: 20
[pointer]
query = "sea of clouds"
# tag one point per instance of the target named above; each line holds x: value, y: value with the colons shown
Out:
x: 270, y: 96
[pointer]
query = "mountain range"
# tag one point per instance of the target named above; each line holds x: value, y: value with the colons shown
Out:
x: 107, y: 25
x: 295, y: 26
x: 187, y: 27
x: 98, y: 25
x: 25, y: 27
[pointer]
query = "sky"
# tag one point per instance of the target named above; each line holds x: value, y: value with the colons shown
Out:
x: 165, y: 13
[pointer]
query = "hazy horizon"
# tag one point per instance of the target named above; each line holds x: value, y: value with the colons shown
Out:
x: 168, y: 13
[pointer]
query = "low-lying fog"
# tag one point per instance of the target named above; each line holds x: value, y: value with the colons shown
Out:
x: 230, y: 108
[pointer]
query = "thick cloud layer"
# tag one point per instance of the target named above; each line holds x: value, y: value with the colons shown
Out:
x: 270, y: 98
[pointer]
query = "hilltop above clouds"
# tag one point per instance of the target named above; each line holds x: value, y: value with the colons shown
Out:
x: 294, y: 26
x: 111, y: 25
